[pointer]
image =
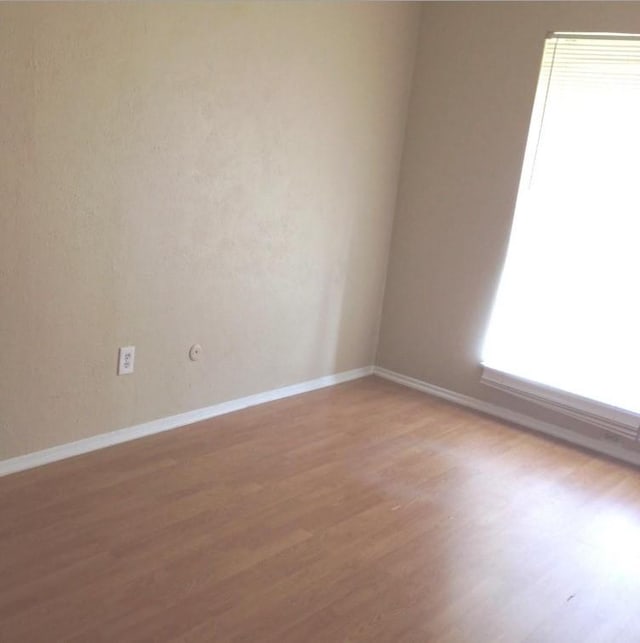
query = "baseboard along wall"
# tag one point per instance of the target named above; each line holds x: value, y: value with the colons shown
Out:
x: 71, y: 449
x: 103, y: 440
x: 567, y: 435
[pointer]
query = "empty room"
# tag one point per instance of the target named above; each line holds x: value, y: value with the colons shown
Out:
x: 319, y: 322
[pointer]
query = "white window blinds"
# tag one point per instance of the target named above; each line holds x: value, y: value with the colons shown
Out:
x: 567, y: 313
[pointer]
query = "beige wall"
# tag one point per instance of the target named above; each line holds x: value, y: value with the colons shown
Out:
x: 474, y: 83
x: 180, y: 173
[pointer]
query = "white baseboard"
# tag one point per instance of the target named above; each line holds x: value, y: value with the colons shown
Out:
x: 71, y: 449
x: 567, y: 435
x: 38, y: 458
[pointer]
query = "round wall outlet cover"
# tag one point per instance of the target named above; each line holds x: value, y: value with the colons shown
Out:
x: 194, y: 352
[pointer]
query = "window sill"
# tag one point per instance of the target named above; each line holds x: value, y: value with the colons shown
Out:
x: 604, y: 416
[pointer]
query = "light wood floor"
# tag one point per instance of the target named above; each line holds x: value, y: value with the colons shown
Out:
x: 364, y: 512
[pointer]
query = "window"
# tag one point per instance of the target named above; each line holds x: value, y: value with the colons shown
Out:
x: 565, y: 327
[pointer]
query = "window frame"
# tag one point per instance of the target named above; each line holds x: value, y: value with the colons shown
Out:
x: 598, y: 414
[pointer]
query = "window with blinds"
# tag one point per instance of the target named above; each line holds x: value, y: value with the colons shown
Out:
x: 565, y: 327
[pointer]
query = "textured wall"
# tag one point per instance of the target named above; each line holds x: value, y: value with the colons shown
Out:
x: 475, y: 79
x: 180, y: 173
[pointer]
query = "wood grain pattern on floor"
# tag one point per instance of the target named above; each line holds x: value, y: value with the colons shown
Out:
x: 362, y: 512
